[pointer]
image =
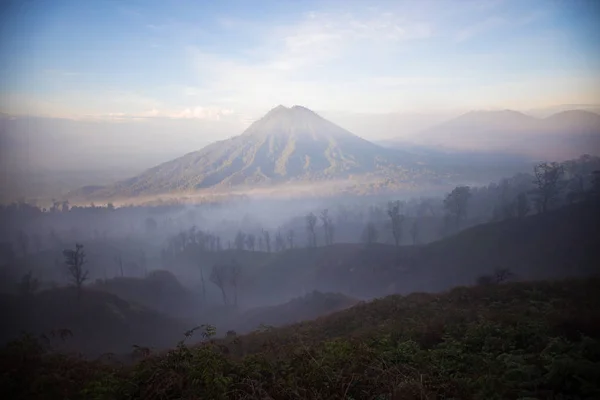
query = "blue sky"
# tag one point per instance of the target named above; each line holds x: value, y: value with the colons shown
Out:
x: 215, y: 60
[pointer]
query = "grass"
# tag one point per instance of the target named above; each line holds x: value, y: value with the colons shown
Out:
x: 537, y: 340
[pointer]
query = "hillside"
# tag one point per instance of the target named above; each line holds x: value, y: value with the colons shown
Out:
x: 287, y: 145
x: 520, y: 340
x: 562, y: 242
x: 99, y: 322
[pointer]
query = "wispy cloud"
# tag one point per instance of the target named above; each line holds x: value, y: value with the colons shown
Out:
x: 479, y: 28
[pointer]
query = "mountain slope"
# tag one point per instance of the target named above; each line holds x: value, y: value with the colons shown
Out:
x: 286, y: 145
x: 99, y: 322
x: 535, y: 340
x: 563, y: 135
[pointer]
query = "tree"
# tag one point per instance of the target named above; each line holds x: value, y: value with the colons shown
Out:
x: 456, y: 204
x: 250, y: 241
x: 522, y: 205
x: 75, y: 260
x: 396, y: 219
x: 218, y: 276
x: 240, y: 240
x: 547, y: 181
x: 414, y: 231
x: 267, y: 238
x: 370, y: 234
x: 327, y: 226
x: 226, y: 274
x: 203, y: 285
x: 28, y: 285
x: 279, y: 242
x: 119, y: 263
x: 233, y: 274
x: 311, y: 222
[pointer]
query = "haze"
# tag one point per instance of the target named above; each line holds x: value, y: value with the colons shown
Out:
x: 300, y: 199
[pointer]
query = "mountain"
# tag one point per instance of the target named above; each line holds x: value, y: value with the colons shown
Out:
x: 287, y: 145
x: 561, y: 136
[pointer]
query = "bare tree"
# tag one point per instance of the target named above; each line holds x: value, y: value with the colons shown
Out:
x: 240, y: 240
x: 261, y: 243
x: 250, y: 241
x: 290, y: 238
x: 414, y: 231
x: 370, y: 234
x: 311, y: 222
x: 267, y: 238
x: 119, y: 262
x: 456, y: 203
x: 279, y: 242
x: 218, y: 276
x: 327, y: 226
x: 396, y: 219
x: 203, y: 285
x: 234, y: 271
x: 547, y: 181
x: 28, y: 285
x: 75, y: 260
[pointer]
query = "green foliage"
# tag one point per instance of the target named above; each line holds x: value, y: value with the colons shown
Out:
x: 511, y: 341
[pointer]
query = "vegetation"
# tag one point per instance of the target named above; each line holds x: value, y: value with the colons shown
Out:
x: 507, y: 341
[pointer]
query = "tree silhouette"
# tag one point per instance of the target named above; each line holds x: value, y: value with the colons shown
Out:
x: 218, y: 276
x: 240, y: 240
x: 311, y: 223
x: 456, y: 203
x: 370, y: 234
x: 327, y: 226
x: 396, y: 219
x: 547, y: 181
x: 75, y: 260
x: 267, y: 239
x: 414, y: 231
x: 250, y: 241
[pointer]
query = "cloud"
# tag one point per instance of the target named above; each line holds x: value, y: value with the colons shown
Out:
x: 479, y: 28
x: 295, y: 63
x: 199, y: 113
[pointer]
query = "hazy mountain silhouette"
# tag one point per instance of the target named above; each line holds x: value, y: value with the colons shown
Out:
x: 564, y: 135
x: 286, y: 145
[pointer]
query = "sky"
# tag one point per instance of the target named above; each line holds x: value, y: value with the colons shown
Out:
x: 234, y: 60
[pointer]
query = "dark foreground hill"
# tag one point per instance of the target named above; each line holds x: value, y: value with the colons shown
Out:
x: 97, y: 323
x: 537, y: 340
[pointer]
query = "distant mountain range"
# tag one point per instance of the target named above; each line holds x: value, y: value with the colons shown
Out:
x: 563, y: 135
x: 297, y: 146
x: 290, y: 147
